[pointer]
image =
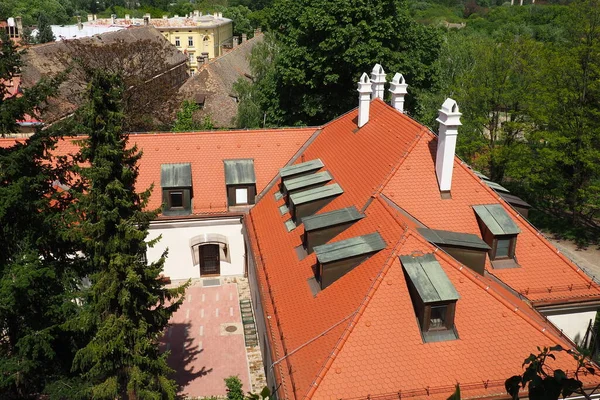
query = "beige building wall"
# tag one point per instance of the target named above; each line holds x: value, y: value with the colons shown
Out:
x: 193, y: 41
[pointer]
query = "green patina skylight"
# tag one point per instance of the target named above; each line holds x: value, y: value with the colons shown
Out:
x: 239, y: 172
x: 302, y: 168
x: 310, y: 195
x: 176, y: 175
x: 348, y: 248
x: 429, y: 279
x: 453, y: 238
x: 301, y: 182
x: 496, y: 219
x: 331, y: 218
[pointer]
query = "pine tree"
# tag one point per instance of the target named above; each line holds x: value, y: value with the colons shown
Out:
x: 36, y: 272
x: 45, y: 34
x: 127, y: 307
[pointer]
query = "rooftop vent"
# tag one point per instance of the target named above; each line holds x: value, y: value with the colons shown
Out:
x: 176, y: 185
x: 308, y: 202
x: 449, y: 119
x: 240, y: 181
x: 398, y: 90
x: 466, y: 248
x: 334, y: 260
x: 364, y: 99
x: 378, y: 82
x: 433, y: 297
x: 500, y: 232
x: 306, y: 182
x: 320, y: 229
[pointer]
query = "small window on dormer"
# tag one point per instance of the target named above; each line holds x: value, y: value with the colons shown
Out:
x: 500, y: 232
x: 176, y: 185
x: 433, y: 296
x: 240, y: 181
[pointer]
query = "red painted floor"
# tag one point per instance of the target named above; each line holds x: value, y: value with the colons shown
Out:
x: 202, y: 352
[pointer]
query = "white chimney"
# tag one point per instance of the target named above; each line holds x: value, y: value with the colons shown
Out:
x: 449, y: 119
x: 113, y: 18
x: 127, y: 17
x: 364, y: 99
x: 220, y: 15
x: 398, y: 90
x: 90, y: 17
x: 95, y: 17
x: 378, y: 79
x: 79, y: 24
x: 165, y: 17
x: 196, y: 13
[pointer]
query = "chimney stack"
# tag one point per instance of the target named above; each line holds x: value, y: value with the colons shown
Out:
x: 79, y: 24
x: 95, y: 17
x: 127, y: 17
x: 378, y: 79
x: 398, y: 90
x: 165, y: 17
x: 90, y: 17
x: 146, y: 19
x: 449, y: 119
x: 364, y: 99
x: 244, y: 37
x: 113, y: 18
x: 196, y: 13
x: 19, y: 22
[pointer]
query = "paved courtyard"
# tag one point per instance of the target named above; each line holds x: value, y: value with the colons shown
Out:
x: 206, y: 340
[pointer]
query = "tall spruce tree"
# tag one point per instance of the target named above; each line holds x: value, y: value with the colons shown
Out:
x: 126, y: 307
x: 45, y: 34
x: 37, y: 277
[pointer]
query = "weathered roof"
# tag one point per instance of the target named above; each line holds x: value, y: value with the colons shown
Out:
x: 429, y: 279
x: 215, y: 79
x: 352, y: 247
x: 496, y: 186
x: 308, y: 166
x: 496, y: 219
x: 514, y: 200
x: 453, y: 238
x: 307, y: 180
x: 239, y: 172
x: 318, y: 193
x: 176, y: 175
x: 331, y: 218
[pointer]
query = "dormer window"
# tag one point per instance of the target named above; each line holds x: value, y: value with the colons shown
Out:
x: 335, y: 260
x: 176, y: 185
x: 240, y: 181
x: 500, y: 232
x: 433, y: 296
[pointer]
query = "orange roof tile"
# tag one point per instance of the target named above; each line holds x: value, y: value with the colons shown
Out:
x: 270, y: 149
x: 359, y: 336
x: 545, y: 274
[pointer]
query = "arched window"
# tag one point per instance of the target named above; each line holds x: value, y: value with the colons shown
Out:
x: 208, y: 251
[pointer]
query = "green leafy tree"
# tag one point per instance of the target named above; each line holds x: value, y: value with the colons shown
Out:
x: 186, y: 121
x: 126, y: 307
x: 240, y: 15
x: 324, y: 46
x: 234, y: 388
x: 45, y: 34
x: 37, y: 274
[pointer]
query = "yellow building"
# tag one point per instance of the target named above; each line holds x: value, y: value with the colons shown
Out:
x: 197, y: 36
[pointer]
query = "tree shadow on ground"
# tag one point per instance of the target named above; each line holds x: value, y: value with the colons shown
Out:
x: 183, y: 355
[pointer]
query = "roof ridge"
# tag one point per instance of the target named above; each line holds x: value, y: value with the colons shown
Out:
x: 478, y: 280
x: 357, y: 315
x: 224, y: 131
x: 530, y: 227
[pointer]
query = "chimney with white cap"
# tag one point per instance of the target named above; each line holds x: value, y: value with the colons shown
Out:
x: 398, y: 90
x: 364, y: 99
x: 449, y: 119
x: 378, y: 79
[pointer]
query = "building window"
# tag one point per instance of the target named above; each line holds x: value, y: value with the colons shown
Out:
x: 177, y: 41
x: 192, y: 58
x: 175, y: 199
x: 437, y: 317
x: 500, y: 232
x: 176, y: 184
x: 190, y: 41
x: 241, y: 196
x: 192, y: 72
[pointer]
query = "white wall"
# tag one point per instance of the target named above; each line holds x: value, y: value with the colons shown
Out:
x: 176, y: 237
x: 573, y: 323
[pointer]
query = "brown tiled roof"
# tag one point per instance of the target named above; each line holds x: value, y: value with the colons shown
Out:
x: 49, y: 59
x: 215, y: 81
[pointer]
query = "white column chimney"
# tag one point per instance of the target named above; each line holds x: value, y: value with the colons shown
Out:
x: 79, y: 24
x: 398, y: 90
x: 364, y: 99
x: 378, y: 79
x: 90, y: 17
x: 449, y: 119
x: 127, y: 17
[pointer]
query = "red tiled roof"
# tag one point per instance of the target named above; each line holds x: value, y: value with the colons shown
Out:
x: 544, y: 275
x: 205, y: 151
x: 359, y: 336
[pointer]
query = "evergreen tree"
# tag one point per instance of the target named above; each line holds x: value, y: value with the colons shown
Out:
x: 45, y: 34
x: 126, y: 307
x: 37, y: 277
